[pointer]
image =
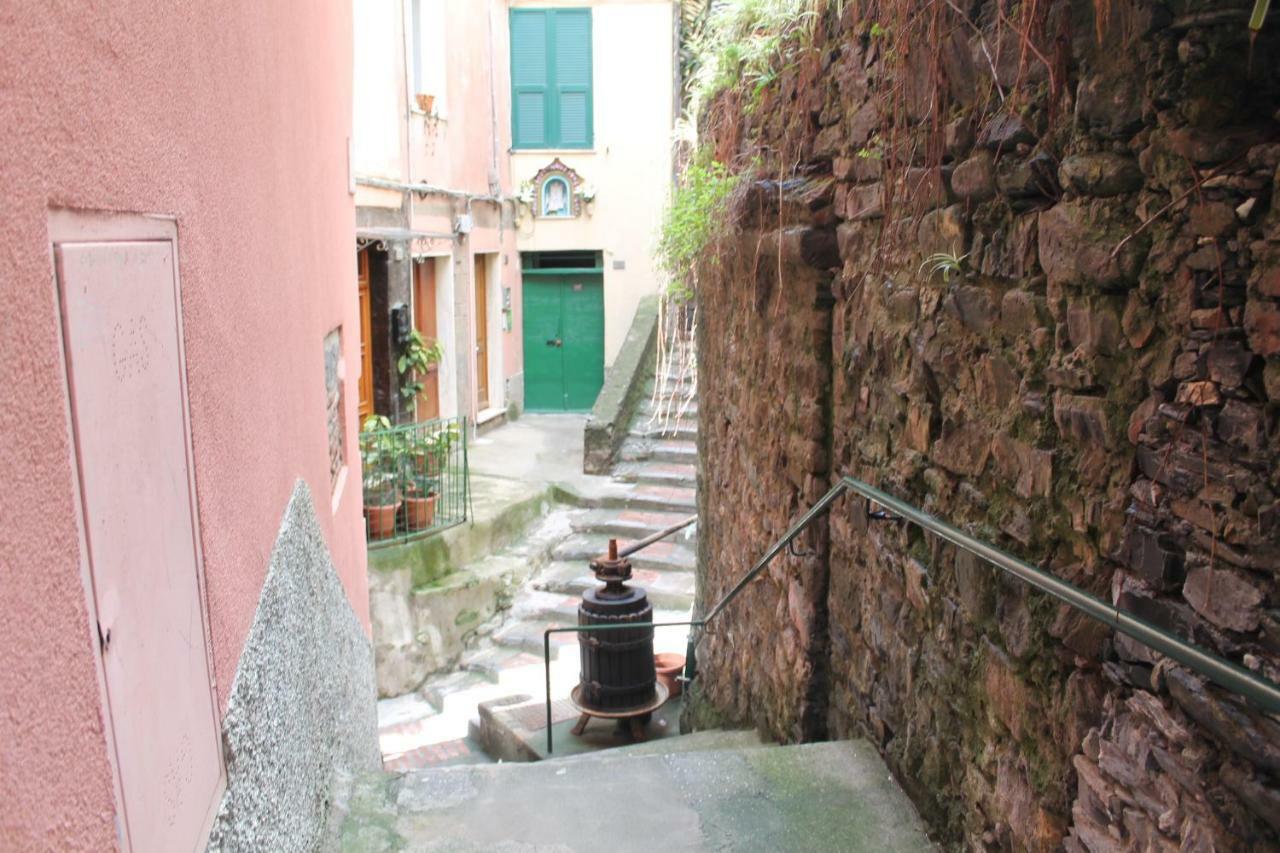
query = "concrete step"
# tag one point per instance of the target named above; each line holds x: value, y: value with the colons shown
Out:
x: 679, y: 474
x: 493, y: 662
x: 664, y: 555
x: 515, y: 729
x: 682, y: 377
x: 836, y: 796
x: 527, y: 634
x: 536, y: 604
x: 658, y: 450
x: 649, y: 496
x: 682, y: 430
x: 711, y: 740
x: 649, y: 406
x: 670, y: 589
x: 443, y: 691
x: 632, y: 525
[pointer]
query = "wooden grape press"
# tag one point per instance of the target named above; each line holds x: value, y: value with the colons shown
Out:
x: 618, y: 680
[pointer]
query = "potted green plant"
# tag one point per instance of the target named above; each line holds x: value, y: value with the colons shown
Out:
x: 421, y: 478
x: 420, y: 497
x: 417, y: 356
x: 380, y: 455
x: 426, y: 460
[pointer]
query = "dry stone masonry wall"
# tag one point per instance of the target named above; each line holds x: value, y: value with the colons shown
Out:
x: 1092, y: 382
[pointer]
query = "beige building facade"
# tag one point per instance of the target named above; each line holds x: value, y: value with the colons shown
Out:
x: 625, y: 169
x: 434, y: 207
x: 467, y: 224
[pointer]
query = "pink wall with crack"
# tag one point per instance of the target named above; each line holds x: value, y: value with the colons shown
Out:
x: 233, y: 117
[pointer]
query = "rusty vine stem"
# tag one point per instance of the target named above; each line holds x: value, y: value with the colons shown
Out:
x: 1195, y: 188
x: 982, y: 42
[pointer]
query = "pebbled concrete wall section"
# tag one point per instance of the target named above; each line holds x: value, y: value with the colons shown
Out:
x: 302, y: 706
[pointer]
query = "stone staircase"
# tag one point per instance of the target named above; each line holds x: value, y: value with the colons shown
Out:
x: 706, y: 791
x: 472, y: 715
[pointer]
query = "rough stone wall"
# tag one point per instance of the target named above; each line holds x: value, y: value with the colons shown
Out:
x: 1095, y: 390
x: 763, y: 438
x: 303, y: 707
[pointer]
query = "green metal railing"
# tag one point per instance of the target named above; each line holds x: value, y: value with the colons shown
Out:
x: 416, y: 479
x: 1256, y: 688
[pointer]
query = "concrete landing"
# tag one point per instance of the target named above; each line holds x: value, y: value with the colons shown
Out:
x: 514, y: 728
x: 817, y: 797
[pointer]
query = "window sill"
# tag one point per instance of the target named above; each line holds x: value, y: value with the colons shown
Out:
x: 540, y: 151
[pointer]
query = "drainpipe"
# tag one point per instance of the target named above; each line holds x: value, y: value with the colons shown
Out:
x: 429, y: 189
x: 495, y: 181
x: 406, y: 50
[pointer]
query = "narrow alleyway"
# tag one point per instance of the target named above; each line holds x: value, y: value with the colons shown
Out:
x: 493, y: 700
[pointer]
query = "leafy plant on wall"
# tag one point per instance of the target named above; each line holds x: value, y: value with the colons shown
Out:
x: 692, y: 223
x: 416, y: 357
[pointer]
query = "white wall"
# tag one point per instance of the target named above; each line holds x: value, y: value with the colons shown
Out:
x: 378, y: 126
x: 630, y: 165
x: 446, y: 334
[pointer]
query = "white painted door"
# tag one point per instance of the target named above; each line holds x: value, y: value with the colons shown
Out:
x: 123, y: 343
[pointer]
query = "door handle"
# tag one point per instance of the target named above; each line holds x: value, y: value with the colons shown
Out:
x: 555, y: 342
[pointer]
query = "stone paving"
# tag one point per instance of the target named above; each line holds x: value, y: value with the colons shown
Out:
x: 653, y: 486
x: 711, y: 791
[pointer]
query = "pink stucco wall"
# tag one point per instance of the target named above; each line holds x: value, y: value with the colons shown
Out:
x: 478, y: 40
x: 233, y: 117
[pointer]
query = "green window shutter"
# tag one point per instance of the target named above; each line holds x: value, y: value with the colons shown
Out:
x: 530, y: 79
x: 572, y: 39
x: 551, y: 100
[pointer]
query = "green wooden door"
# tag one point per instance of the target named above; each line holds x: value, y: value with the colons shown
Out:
x: 563, y: 341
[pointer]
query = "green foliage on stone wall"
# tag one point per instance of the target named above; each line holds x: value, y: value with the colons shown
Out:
x: 692, y: 221
x: 746, y: 42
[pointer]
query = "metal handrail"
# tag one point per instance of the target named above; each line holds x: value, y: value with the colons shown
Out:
x: 1234, y: 677
x: 1223, y: 672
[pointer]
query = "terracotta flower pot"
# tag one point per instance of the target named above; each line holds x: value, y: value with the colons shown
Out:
x: 420, y: 511
x: 426, y: 102
x: 382, y: 519
x: 669, y: 666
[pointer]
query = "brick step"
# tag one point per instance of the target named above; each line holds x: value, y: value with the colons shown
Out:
x: 449, y: 753
x: 668, y: 590
x: 661, y: 556
x: 658, y: 450
x: 629, y: 525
